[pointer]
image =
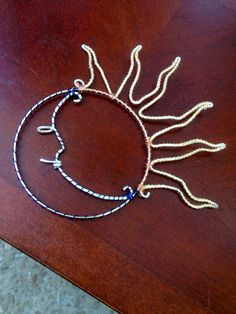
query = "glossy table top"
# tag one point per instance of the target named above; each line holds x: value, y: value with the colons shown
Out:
x: 155, y: 255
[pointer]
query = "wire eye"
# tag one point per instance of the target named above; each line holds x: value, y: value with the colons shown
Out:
x: 45, y: 129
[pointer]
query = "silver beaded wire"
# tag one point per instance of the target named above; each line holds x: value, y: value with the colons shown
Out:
x: 57, y: 163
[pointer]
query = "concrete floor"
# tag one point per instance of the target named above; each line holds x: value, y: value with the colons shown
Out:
x: 26, y: 287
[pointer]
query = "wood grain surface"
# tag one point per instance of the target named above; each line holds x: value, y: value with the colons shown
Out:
x: 155, y: 255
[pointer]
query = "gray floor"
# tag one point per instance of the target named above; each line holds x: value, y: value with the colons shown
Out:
x: 26, y: 287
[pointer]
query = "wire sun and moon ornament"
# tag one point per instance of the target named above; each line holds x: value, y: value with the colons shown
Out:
x: 152, y: 165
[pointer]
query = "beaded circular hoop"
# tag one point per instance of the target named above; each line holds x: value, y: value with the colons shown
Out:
x: 83, y: 89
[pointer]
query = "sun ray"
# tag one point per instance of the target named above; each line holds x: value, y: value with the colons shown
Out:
x: 206, y: 202
x: 135, y: 51
x: 90, y: 65
x: 190, y: 142
x: 93, y: 58
x: 169, y: 70
x: 183, y: 116
x: 202, y: 106
x: 215, y: 148
x: 173, y: 188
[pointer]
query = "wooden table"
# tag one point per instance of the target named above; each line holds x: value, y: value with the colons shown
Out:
x: 155, y: 255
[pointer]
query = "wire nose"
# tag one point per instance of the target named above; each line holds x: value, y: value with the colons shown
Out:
x: 56, y: 163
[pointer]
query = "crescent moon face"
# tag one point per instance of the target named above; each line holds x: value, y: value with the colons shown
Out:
x: 47, y: 129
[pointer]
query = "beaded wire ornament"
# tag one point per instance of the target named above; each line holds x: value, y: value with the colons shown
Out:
x: 80, y: 90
